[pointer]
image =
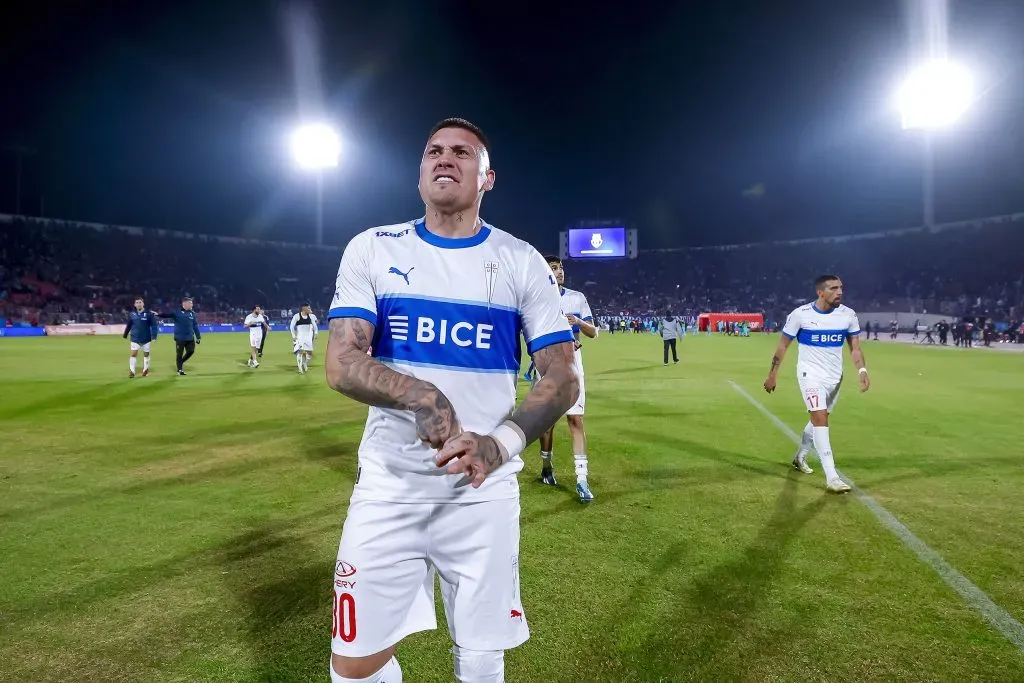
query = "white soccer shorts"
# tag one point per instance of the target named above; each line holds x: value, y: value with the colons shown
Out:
x: 819, y: 395
x: 255, y: 336
x: 387, y: 559
x: 301, y: 344
x: 145, y: 347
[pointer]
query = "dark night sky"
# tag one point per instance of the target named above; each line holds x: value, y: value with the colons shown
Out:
x: 176, y: 118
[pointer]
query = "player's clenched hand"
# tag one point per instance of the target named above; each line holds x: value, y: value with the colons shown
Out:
x: 471, y: 454
x: 865, y: 382
x: 769, y: 384
x: 436, y: 422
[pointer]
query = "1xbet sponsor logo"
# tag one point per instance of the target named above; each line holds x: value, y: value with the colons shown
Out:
x: 385, y: 233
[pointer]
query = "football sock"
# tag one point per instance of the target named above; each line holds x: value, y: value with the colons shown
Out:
x: 298, y: 360
x: 131, y: 362
x: 581, y: 467
x: 389, y: 673
x: 145, y: 363
x: 479, y: 666
x: 545, y: 458
x: 806, y: 440
x: 824, y: 449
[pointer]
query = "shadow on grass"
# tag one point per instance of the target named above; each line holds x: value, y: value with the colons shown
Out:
x: 283, y: 585
x: 705, y: 637
x: 96, y: 399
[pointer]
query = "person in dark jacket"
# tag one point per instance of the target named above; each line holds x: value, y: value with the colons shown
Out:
x: 143, y: 327
x: 186, y: 332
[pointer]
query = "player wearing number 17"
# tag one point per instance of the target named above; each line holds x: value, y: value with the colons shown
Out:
x: 820, y: 329
x: 441, y: 301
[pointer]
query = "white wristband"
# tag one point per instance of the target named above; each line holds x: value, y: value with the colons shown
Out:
x: 863, y: 371
x: 510, y: 438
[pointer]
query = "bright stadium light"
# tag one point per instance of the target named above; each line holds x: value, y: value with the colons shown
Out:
x: 935, y: 95
x: 316, y: 147
x: 932, y: 97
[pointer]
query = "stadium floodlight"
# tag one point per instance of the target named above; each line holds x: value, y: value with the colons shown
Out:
x: 316, y: 147
x: 935, y: 94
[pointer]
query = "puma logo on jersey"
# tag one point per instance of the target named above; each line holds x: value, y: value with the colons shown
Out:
x: 404, y: 276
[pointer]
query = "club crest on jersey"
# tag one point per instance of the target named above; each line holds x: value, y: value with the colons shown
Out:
x: 595, y: 240
x: 490, y: 273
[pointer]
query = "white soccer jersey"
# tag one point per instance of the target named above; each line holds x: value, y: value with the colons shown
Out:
x: 820, y: 336
x: 303, y: 329
x: 448, y: 311
x: 253, y: 319
x: 575, y: 303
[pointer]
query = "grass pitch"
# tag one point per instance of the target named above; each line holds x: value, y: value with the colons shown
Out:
x: 185, y: 529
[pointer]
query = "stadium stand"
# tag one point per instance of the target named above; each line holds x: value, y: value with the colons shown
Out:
x: 58, y: 271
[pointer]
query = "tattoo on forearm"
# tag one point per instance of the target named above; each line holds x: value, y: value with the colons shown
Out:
x: 776, y: 362
x: 553, y: 395
x: 353, y: 373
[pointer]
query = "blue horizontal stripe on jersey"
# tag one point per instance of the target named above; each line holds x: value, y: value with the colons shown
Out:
x: 454, y: 368
x: 353, y: 312
x: 446, y: 300
x: 544, y: 340
x: 822, y: 338
x: 450, y: 334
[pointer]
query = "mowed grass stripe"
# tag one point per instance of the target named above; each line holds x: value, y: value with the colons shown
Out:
x: 184, y: 529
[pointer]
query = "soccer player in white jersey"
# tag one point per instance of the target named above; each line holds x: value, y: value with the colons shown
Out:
x: 577, y: 311
x: 304, y: 333
x: 441, y: 301
x: 256, y: 322
x: 820, y: 329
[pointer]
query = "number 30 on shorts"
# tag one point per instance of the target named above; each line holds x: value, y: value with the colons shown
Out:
x: 343, y: 616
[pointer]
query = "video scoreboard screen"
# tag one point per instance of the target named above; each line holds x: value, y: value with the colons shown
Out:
x: 600, y: 242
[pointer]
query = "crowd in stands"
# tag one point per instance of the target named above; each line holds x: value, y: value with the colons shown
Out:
x: 56, y: 271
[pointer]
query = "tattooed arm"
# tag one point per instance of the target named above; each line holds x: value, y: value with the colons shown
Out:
x: 350, y: 371
x: 553, y: 395
x: 780, y: 354
x: 477, y: 455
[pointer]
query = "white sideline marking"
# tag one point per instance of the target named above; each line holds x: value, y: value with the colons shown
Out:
x: 1004, y: 622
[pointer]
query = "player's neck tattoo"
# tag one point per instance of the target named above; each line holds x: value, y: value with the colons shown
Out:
x: 458, y: 217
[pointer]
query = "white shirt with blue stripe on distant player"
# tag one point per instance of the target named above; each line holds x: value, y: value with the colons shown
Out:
x: 575, y: 303
x: 448, y: 311
x: 820, y: 336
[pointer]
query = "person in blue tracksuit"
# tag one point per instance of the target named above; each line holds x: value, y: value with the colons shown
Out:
x: 143, y: 327
x: 186, y: 333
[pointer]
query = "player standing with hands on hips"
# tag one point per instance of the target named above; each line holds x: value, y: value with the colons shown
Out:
x: 820, y: 329
x: 436, y: 489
